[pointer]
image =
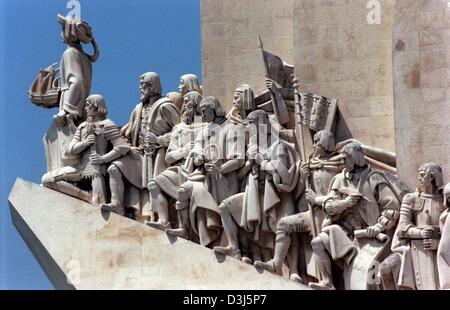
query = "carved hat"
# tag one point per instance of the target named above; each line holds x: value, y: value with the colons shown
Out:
x: 75, y: 29
x: 215, y: 103
x: 447, y: 195
x: 191, y: 81
x: 326, y: 139
x: 249, y: 97
x: 436, y: 171
x: 153, y: 78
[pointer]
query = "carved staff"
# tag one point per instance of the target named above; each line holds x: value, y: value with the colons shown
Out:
x: 90, y: 129
x: 301, y: 144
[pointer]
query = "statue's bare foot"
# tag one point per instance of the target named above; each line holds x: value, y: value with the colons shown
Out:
x: 247, y: 260
x: 269, y: 266
x: 159, y: 225
x: 227, y: 250
x: 112, y: 207
x: 295, y: 277
x: 321, y: 286
x: 179, y: 232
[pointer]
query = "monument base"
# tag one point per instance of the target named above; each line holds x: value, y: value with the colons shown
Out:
x: 80, y: 246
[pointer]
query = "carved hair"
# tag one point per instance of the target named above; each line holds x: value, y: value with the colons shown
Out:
x: 447, y: 195
x: 249, y: 97
x: 191, y: 82
x: 258, y: 114
x: 326, y: 140
x: 355, y: 151
x: 215, y: 104
x: 195, y: 97
x: 153, y: 78
x: 99, y: 103
x: 435, y: 170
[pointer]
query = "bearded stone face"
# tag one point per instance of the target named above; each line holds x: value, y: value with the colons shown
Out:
x: 188, y: 110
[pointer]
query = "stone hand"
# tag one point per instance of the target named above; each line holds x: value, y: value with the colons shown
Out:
x: 90, y: 139
x: 430, y: 244
x: 198, y: 160
x: 372, y: 231
x: 212, y: 169
x: 350, y: 201
x: 97, y: 159
x: 259, y: 158
x: 135, y: 153
x: 150, y: 138
x: 426, y: 233
x: 269, y: 83
x: 304, y: 170
x: 310, y: 196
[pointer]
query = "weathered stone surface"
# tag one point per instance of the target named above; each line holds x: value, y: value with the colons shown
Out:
x: 230, y: 46
x: 67, y: 235
x: 421, y: 86
x: 338, y: 54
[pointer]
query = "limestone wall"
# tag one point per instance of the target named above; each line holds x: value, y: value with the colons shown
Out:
x: 422, y: 86
x: 338, y: 54
x: 230, y: 46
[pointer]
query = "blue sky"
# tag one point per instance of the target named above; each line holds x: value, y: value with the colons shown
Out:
x: 134, y: 37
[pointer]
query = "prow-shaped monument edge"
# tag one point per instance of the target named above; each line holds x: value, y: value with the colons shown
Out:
x: 81, y: 247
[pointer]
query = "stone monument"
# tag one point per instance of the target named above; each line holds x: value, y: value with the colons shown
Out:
x: 268, y: 176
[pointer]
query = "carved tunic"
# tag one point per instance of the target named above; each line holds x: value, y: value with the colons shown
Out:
x: 161, y: 117
x: 181, y: 136
x: 418, y: 211
x: 76, y: 79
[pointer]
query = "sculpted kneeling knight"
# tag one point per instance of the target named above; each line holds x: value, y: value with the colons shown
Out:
x: 92, y: 143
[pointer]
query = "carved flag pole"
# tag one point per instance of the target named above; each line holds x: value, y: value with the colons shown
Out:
x: 301, y: 144
x: 280, y: 110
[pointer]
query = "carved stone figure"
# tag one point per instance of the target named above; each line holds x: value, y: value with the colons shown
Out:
x: 217, y: 155
x: 270, y: 177
x: 413, y: 264
x: 358, y: 199
x: 148, y: 132
x: 188, y: 83
x: 243, y: 103
x: 76, y: 68
x: 443, y: 254
x: 321, y: 168
x: 90, y: 143
x: 163, y: 187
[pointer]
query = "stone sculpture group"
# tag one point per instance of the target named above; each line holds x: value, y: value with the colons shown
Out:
x: 240, y: 182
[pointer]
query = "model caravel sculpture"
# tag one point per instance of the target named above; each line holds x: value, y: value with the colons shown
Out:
x: 241, y: 182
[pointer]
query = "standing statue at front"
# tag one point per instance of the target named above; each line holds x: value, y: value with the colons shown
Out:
x: 417, y: 237
x: 148, y: 132
x: 76, y: 69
